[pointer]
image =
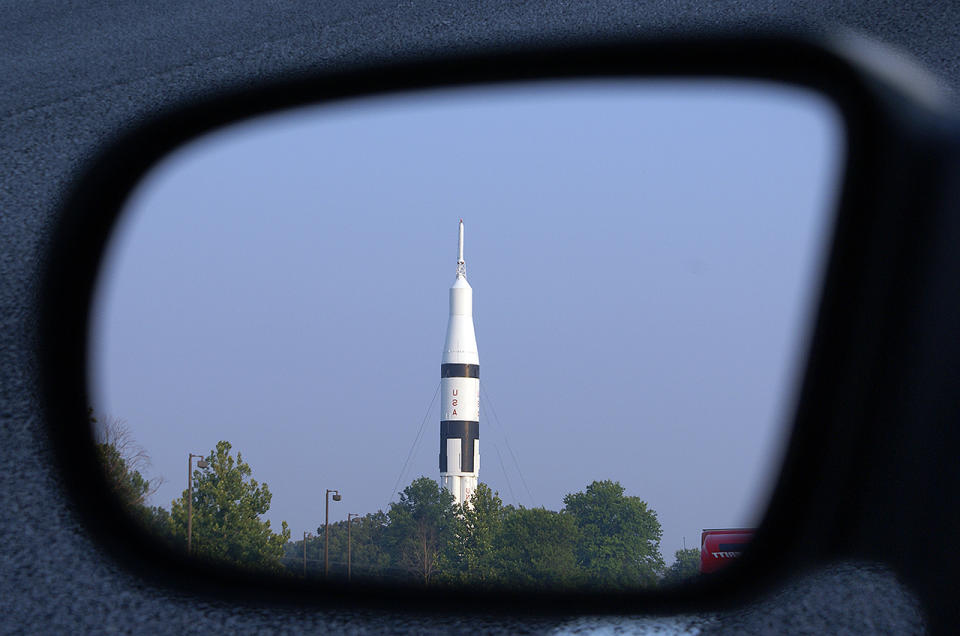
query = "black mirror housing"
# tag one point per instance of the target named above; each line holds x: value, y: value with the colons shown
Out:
x: 873, y: 424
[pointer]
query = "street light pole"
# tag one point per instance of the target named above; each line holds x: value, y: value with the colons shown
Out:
x: 326, y: 532
x: 305, y: 553
x: 201, y: 463
x: 355, y: 516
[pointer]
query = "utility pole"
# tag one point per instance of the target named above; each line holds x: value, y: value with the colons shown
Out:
x: 201, y: 463
x: 349, y: 519
x: 305, y: 553
x: 326, y: 532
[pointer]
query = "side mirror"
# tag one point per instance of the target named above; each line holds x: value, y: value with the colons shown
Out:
x: 823, y: 440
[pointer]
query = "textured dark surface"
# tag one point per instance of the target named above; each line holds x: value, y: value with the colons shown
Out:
x: 71, y: 74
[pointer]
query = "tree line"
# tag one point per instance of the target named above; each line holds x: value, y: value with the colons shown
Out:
x: 601, y: 538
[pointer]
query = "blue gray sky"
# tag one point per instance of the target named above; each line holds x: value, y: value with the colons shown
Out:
x: 644, y: 257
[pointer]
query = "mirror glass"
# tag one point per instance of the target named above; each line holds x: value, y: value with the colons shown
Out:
x: 643, y: 260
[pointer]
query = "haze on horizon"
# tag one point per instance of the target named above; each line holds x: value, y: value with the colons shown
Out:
x: 644, y: 257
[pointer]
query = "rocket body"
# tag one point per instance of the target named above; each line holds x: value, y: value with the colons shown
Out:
x: 460, y: 391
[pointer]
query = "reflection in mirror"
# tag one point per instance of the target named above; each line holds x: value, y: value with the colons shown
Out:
x: 640, y: 258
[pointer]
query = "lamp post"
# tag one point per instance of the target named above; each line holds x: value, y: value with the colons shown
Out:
x: 201, y: 463
x: 326, y: 532
x: 349, y: 519
x: 306, y: 535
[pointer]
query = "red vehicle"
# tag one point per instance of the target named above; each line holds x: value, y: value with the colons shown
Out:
x: 718, y: 546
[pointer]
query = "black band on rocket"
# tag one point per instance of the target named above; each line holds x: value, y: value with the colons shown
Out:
x: 466, y: 431
x: 451, y: 370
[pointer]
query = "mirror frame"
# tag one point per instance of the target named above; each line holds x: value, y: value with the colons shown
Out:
x: 811, y: 516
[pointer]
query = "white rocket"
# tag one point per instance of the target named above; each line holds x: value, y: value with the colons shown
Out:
x: 460, y: 392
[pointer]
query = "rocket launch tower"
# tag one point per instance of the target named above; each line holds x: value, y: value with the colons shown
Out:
x: 460, y: 392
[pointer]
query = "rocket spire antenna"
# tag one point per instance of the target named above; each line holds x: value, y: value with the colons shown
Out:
x: 461, y: 266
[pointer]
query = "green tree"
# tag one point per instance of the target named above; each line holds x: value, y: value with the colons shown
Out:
x: 536, y: 548
x: 686, y: 565
x: 370, y: 557
x: 122, y: 460
x: 227, y: 504
x: 157, y: 520
x: 471, y: 557
x: 129, y: 485
x: 421, y: 526
x: 619, y: 536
